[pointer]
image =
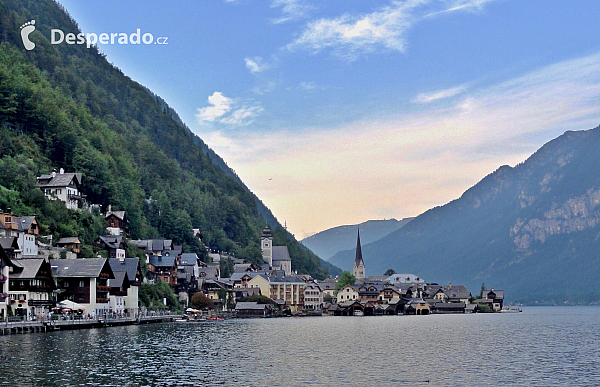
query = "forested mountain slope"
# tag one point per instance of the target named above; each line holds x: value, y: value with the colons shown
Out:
x: 65, y: 106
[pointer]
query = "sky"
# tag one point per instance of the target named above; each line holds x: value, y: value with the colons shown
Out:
x: 342, y: 111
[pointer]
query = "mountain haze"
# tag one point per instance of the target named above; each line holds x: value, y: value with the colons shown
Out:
x: 65, y: 106
x: 328, y: 242
x: 532, y: 230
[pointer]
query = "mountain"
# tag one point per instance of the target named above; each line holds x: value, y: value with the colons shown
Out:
x: 532, y: 230
x: 65, y: 106
x: 327, y: 243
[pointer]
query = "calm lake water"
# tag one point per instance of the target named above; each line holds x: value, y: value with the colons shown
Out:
x: 543, y: 346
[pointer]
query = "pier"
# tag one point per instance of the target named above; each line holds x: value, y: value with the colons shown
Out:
x: 21, y: 327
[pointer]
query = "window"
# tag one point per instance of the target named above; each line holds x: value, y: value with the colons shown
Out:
x: 81, y: 284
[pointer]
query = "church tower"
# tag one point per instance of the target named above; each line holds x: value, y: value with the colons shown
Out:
x: 359, y: 265
x: 266, y: 245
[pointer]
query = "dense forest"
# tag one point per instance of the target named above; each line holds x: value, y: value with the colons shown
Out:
x: 66, y: 106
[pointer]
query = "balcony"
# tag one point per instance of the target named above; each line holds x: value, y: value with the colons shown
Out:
x: 103, y: 288
x: 101, y: 300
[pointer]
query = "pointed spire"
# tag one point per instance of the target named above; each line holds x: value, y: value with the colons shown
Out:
x: 359, y: 259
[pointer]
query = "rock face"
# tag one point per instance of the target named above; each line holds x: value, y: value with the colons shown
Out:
x: 533, y: 230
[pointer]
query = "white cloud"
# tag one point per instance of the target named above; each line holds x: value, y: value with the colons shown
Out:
x: 415, y: 161
x: 349, y: 35
x: 228, y: 111
x: 220, y: 105
x: 256, y: 65
x: 440, y: 94
x: 243, y: 116
x: 291, y: 9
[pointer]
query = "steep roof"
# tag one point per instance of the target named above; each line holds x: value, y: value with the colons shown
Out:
x: 59, y: 180
x: 117, y: 282
x: 88, y: 267
x: 30, y: 268
x: 250, y: 306
x: 9, y: 242
x: 68, y: 241
x: 118, y: 214
x: 165, y: 261
x: 189, y: 259
x: 129, y: 265
x: 281, y: 253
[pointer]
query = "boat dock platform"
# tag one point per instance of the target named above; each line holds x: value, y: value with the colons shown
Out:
x: 20, y: 327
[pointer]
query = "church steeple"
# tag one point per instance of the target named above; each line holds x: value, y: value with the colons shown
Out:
x: 359, y: 265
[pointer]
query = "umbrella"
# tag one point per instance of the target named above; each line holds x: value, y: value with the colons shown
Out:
x: 70, y: 304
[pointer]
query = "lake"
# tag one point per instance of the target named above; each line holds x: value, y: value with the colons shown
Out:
x: 543, y: 346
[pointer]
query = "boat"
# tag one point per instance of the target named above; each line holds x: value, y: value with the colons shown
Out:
x: 511, y: 309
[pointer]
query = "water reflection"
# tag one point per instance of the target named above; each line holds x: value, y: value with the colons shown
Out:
x: 541, y: 346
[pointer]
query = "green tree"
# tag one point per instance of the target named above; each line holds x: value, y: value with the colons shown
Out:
x: 389, y: 272
x: 483, y: 289
x: 200, y: 301
x: 345, y: 279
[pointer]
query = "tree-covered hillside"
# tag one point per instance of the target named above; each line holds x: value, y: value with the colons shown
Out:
x: 65, y: 106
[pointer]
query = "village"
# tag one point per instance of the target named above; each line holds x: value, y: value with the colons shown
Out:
x: 45, y: 281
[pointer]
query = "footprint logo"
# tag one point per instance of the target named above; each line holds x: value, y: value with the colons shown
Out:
x: 26, y: 29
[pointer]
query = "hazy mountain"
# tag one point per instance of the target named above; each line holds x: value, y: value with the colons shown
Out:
x: 327, y: 243
x: 533, y: 230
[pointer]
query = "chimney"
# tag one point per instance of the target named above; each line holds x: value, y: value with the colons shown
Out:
x: 61, y: 171
x: 53, y: 174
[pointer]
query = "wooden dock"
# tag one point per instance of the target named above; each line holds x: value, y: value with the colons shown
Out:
x: 21, y: 327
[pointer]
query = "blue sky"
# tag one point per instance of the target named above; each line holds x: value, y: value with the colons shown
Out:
x: 342, y: 111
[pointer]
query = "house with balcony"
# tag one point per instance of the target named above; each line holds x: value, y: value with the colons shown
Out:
x: 130, y: 298
x: 31, y: 287
x: 163, y: 268
x: 64, y: 187
x: 84, y: 281
x: 288, y: 288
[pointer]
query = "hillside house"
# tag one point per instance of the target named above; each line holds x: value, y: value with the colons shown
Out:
x: 25, y: 228
x: 116, y: 222
x: 114, y: 244
x: 72, y: 244
x: 64, y: 187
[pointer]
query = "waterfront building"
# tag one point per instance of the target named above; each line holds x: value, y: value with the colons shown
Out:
x: 313, y: 296
x: 5, y: 265
x: 84, y: 281
x: 347, y: 293
x: 358, y: 270
x: 30, y: 287
x: 130, y: 266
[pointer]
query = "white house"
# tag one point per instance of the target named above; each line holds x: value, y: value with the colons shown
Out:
x: 64, y: 187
